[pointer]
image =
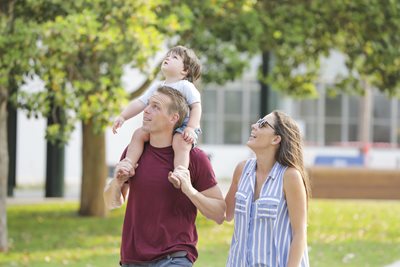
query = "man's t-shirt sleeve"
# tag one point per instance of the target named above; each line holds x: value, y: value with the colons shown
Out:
x: 201, y: 171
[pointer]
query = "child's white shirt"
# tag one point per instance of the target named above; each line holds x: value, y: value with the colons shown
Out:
x: 186, y: 88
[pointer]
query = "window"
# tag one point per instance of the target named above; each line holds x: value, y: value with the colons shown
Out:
x: 381, y: 118
x: 397, y: 130
x: 209, y: 119
x: 254, y: 106
x: 308, y: 114
x: 333, y: 122
x: 381, y: 133
x: 333, y: 107
x: 228, y: 112
x: 233, y: 103
x: 232, y: 132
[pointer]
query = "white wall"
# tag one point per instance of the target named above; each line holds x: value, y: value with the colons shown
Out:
x: 31, y: 150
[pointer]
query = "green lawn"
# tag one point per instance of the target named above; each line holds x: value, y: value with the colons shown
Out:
x: 341, y: 233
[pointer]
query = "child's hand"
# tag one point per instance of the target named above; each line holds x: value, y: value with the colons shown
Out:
x: 174, y: 180
x: 189, y: 135
x: 122, y: 170
x: 118, y: 123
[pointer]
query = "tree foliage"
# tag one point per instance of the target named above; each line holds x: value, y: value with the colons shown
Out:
x: 298, y: 34
x: 17, y: 36
x: 79, y: 48
x: 82, y: 50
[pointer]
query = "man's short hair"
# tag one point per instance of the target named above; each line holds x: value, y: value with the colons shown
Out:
x: 178, y: 103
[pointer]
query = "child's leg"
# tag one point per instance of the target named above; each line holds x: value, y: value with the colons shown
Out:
x: 181, y: 156
x: 181, y: 151
x: 136, y: 146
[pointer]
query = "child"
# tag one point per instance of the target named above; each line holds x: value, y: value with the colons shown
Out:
x: 181, y: 68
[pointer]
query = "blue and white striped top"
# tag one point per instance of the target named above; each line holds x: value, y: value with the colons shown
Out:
x: 262, y: 231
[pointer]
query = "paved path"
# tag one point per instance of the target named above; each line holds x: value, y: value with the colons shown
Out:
x: 36, y: 195
x: 395, y: 264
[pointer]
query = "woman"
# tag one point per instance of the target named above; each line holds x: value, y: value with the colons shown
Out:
x: 268, y: 198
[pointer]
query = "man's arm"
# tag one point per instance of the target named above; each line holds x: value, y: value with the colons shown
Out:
x: 210, y: 202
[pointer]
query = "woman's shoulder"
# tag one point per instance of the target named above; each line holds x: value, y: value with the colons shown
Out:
x: 242, y: 166
x: 292, y: 176
x: 292, y: 172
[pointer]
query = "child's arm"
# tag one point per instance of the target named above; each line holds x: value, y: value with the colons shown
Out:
x: 194, y: 122
x: 195, y: 115
x: 134, y: 107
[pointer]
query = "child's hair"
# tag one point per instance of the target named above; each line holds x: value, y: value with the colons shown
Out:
x: 178, y: 103
x: 191, y: 63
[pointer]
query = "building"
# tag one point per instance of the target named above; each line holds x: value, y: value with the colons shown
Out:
x: 330, y: 128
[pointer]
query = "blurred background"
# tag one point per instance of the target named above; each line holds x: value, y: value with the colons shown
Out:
x: 67, y: 68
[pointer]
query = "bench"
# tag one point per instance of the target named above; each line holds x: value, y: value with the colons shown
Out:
x: 356, y: 183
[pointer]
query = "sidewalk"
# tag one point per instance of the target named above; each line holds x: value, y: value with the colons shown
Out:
x: 71, y: 193
x: 395, y: 264
x: 36, y: 195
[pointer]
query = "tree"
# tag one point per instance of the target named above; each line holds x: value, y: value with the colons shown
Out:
x: 292, y: 37
x: 298, y: 34
x: 17, y: 47
x: 82, y: 54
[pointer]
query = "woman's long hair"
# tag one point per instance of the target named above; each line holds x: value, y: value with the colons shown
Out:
x: 290, y: 151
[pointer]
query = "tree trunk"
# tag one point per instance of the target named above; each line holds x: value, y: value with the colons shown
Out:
x: 265, y: 107
x: 94, y: 172
x: 55, y: 158
x: 12, y: 148
x: 3, y: 169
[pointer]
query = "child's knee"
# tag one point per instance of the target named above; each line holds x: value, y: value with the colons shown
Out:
x: 141, y: 135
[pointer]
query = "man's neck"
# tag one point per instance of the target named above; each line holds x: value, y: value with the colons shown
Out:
x: 160, y: 140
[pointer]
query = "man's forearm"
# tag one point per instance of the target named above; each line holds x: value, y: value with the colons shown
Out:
x: 114, y: 194
x: 212, y: 208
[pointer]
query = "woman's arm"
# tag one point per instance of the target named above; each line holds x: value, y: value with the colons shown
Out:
x: 230, y: 196
x: 297, y: 205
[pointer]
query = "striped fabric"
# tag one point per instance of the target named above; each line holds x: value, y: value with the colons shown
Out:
x: 262, y: 232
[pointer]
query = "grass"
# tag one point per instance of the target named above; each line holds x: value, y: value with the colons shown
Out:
x: 340, y: 233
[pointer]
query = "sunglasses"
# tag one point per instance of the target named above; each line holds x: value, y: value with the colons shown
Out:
x: 263, y: 122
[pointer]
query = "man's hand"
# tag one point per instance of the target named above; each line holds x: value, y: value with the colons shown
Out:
x: 189, y: 135
x: 118, y: 123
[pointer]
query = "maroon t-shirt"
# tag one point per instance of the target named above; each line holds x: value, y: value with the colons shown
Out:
x: 159, y: 218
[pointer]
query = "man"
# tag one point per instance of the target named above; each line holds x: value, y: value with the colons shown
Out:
x: 159, y: 227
